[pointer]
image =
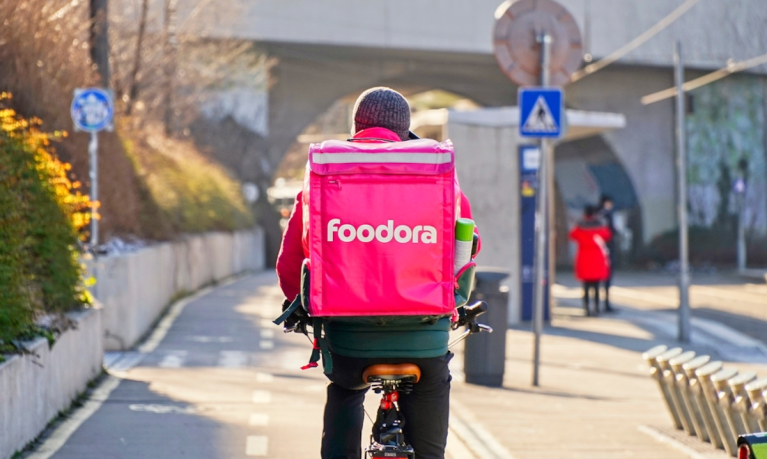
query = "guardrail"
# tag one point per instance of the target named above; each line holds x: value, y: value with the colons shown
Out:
x: 715, y: 404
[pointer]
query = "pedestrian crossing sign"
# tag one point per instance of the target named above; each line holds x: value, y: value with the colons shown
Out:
x: 540, y: 112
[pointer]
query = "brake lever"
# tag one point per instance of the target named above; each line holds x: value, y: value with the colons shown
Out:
x: 483, y: 328
x: 471, y: 328
x: 297, y: 327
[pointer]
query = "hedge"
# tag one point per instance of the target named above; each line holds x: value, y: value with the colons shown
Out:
x: 41, y: 213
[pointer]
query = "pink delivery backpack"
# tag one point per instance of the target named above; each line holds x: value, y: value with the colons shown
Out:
x: 379, y: 232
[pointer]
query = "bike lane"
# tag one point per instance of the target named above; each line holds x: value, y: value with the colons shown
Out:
x: 222, y: 383
x: 215, y: 379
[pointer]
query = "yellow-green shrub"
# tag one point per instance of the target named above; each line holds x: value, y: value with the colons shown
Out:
x: 41, y: 212
x: 182, y: 190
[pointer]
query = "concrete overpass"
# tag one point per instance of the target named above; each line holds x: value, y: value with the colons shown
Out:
x: 330, y: 49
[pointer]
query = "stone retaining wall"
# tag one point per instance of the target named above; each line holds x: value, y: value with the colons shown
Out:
x: 35, y: 387
x: 135, y: 288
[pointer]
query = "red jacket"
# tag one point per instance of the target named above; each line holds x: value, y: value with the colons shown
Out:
x: 592, y: 262
x: 292, y: 254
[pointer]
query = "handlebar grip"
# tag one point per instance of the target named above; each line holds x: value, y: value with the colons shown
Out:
x: 475, y: 310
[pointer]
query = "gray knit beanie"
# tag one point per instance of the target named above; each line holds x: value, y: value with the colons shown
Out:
x: 382, y: 107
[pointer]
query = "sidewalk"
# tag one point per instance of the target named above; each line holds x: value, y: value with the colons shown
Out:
x: 218, y: 380
x: 595, y: 391
x: 722, y: 297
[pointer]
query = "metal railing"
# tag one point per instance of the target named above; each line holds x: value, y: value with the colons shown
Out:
x: 706, y: 400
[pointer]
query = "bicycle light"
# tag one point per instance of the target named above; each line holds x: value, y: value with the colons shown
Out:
x: 753, y: 446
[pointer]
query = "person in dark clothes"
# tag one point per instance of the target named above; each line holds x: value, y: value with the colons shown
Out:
x: 592, y: 263
x: 606, y: 206
x: 380, y: 115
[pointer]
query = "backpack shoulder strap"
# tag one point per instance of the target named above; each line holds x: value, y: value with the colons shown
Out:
x: 320, y: 348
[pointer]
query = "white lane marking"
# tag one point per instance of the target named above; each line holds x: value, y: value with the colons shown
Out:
x: 476, y: 438
x: 264, y: 378
x: 257, y: 445
x: 173, y: 359
x: 259, y: 420
x: 266, y: 345
x: 267, y: 333
x: 59, y: 437
x: 232, y: 359
x: 262, y: 396
x: 162, y: 409
x: 679, y: 446
x: 210, y: 339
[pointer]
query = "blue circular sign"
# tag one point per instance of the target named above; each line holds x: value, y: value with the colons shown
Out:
x: 92, y: 109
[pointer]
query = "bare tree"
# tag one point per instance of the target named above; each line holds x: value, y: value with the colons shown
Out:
x: 133, y: 88
x: 170, y: 48
x: 173, y: 67
x: 99, y: 40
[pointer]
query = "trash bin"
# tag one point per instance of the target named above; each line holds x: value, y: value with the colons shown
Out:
x: 485, y: 353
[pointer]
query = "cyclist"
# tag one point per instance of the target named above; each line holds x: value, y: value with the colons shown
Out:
x: 380, y: 115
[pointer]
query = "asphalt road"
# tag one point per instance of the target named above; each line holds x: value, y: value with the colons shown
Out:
x: 222, y: 383
x: 217, y: 379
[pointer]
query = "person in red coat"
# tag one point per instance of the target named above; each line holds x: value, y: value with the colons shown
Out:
x: 592, y: 262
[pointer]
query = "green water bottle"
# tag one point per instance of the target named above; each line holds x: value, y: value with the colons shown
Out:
x: 464, y: 239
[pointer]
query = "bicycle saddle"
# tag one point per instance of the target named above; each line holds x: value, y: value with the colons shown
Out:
x: 392, y: 372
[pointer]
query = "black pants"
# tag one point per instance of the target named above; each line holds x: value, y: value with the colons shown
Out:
x: 425, y: 409
x: 609, y: 279
x: 587, y: 287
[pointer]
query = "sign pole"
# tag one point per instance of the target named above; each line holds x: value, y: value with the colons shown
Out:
x: 741, y: 233
x: 681, y: 151
x: 540, y: 31
x: 93, y: 148
x: 740, y: 189
x: 92, y: 110
x: 541, y: 223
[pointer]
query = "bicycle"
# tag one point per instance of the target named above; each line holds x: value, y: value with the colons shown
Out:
x: 387, y: 439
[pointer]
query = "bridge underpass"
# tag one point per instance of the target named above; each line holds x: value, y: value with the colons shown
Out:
x: 308, y: 79
x: 332, y: 49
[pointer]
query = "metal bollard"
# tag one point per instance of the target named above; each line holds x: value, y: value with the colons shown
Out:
x: 722, y: 402
x: 723, y: 432
x: 741, y: 403
x: 727, y: 398
x: 666, y: 378
x: 485, y: 353
x: 651, y: 357
x: 687, y: 383
x: 757, y: 409
x: 679, y: 393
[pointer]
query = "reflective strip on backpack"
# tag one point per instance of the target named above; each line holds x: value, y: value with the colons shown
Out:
x: 381, y: 158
